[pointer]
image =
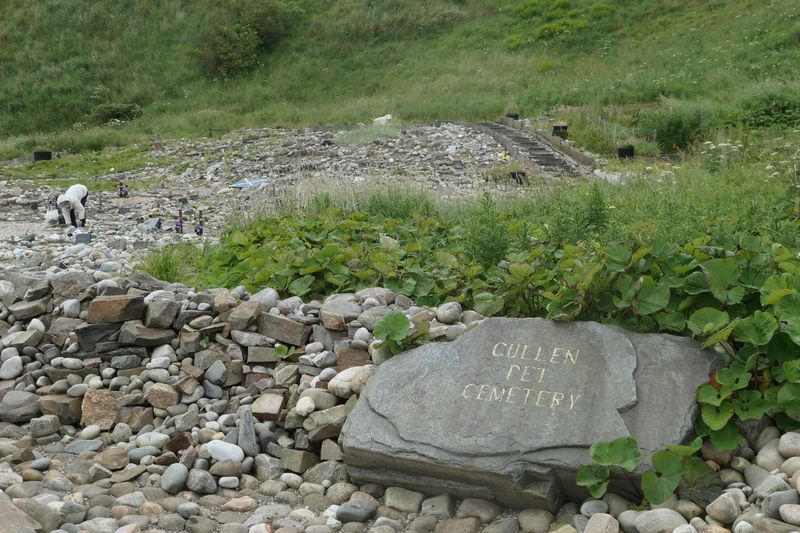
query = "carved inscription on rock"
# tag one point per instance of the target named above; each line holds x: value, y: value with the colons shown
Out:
x: 510, y: 409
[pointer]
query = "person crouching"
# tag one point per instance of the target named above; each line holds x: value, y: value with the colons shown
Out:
x: 73, y: 205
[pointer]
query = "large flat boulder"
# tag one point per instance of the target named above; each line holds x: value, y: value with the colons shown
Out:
x: 119, y: 308
x: 509, y: 410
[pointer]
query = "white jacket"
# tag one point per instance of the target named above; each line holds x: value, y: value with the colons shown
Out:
x: 74, y: 195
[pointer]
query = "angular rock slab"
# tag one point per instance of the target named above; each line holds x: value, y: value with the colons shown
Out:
x: 509, y: 410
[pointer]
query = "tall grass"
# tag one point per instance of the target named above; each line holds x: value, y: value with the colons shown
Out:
x: 173, y: 263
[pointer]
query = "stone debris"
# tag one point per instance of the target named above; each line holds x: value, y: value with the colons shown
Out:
x: 188, y: 434
x: 129, y: 404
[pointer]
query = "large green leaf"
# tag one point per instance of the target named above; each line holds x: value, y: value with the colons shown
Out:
x: 622, y: 452
x: 793, y: 329
x: 707, y: 320
x: 651, y: 297
x: 667, y: 463
x: 301, y: 286
x: 685, y: 450
x: 788, y: 307
x: 618, y: 257
x: 756, y: 329
x: 658, y: 489
x: 695, y: 283
x: 595, y: 478
x: 750, y: 405
x: 721, y: 273
x: 726, y: 438
x: 672, y: 321
x: 487, y: 304
x: 717, y: 416
x: 776, y: 295
x: 792, y: 370
x: 706, y: 393
x: 734, y: 377
x: 394, y: 325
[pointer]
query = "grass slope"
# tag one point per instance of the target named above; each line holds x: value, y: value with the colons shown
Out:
x: 349, y: 60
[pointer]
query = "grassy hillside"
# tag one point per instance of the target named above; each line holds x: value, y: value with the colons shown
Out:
x: 66, y: 66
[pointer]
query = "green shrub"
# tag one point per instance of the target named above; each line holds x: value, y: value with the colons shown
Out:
x: 487, y: 235
x: 515, y: 42
x: 240, y: 30
x: 678, y: 125
x: 771, y: 105
x: 230, y: 49
x: 104, y: 113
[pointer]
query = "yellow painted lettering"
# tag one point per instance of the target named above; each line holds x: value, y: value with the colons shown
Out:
x: 494, y: 350
x: 557, y: 397
x: 573, y: 399
x: 478, y: 397
x: 511, y: 371
x: 495, y: 397
x: 556, y: 355
x: 572, y: 358
x: 525, y: 377
x: 510, y: 394
x: 524, y: 351
x: 541, y: 374
x: 540, y: 397
x: 539, y: 353
x: 527, y: 395
x: 464, y: 392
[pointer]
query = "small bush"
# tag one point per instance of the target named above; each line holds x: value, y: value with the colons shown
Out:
x: 231, y: 50
x: 487, y: 234
x: 104, y: 113
x: 774, y: 105
x: 678, y: 126
x: 515, y: 42
x: 249, y: 27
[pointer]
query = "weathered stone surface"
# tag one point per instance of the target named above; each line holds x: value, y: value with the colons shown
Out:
x: 338, y: 310
x: 135, y: 333
x: 520, y: 399
x: 115, y: 309
x: 297, y: 460
x: 243, y: 315
x: 89, y: 335
x: 99, y: 408
x: 161, y: 313
x: 27, y: 310
x: 261, y: 355
x: 71, y: 285
x: 19, y: 407
x: 60, y: 328
x: 13, y: 519
x: 66, y: 408
x: 284, y: 329
x: 268, y: 406
x: 162, y: 395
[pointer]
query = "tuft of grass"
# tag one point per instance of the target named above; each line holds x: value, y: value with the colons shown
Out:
x: 174, y: 263
x: 487, y: 237
x: 399, y: 202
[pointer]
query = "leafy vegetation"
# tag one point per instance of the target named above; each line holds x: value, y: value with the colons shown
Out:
x: 671, y: 468
x: 398, y: 334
